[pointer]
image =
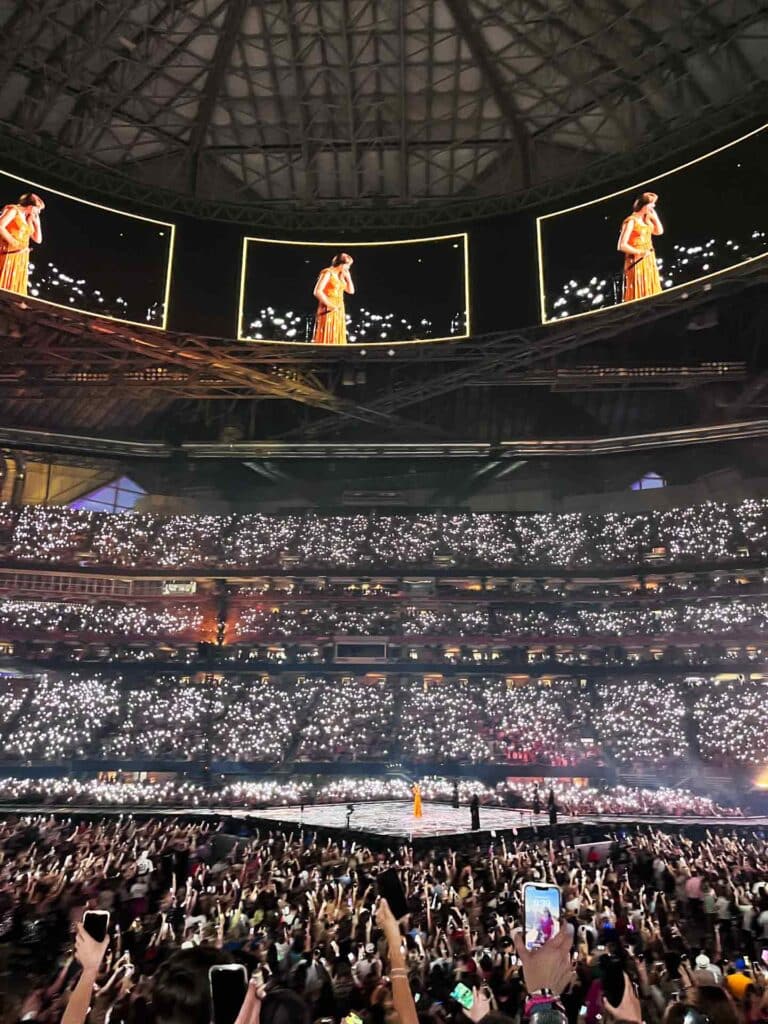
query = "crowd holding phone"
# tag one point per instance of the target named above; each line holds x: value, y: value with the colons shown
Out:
x: 449, y: 934
x: 228, y: 986
x: 541, y: 913
x: 96, y: 923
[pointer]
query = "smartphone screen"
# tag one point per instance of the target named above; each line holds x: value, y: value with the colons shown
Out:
x: 612, y: 971
x: 764, y: 956
x: 463, y: 995
x: 228, y: 987
x: 96, y: 923
x: 391, y: 888
x: 541, y: 909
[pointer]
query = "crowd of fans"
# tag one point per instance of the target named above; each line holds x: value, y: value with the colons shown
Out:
x: 730, y: 717
x: 62, y: 718
x: 564, y: 721
x: 540, y: 723
x: 712, y: 532
x: 715, y: 617
x: 642, y: 722
x: 657, y: 927
x: 178, y: 793
x: 351, y: 720
x: 105, y: 619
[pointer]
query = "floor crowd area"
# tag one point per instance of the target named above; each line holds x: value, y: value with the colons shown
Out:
x: 685, y: 918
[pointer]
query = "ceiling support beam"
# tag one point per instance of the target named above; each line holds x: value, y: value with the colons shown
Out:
x: 749, y: 394
x: 689, y: 138
x: 291, y: 15
x: 500, y: 90
x: 505, y: 457
x: 225, y: 46
x: 515, y: 351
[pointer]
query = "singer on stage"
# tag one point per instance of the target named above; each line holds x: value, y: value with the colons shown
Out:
x: 331, y: 319
x: 641, y: 275
x: 19, y: 226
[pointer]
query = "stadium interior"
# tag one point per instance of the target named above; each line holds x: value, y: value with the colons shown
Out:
x: 504, y: 542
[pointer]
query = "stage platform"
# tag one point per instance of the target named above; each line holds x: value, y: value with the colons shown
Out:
x: 379, y: 822
x: 394, y: 818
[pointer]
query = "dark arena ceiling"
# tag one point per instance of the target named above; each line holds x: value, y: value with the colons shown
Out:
x: 301, y: 113
x: 235, y: 103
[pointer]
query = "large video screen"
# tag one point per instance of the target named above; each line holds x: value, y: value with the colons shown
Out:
x: 339, y: 293
x: 82, y: 255
x: 700, y: 219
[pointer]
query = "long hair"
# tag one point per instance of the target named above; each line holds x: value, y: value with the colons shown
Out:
x: 338, y: 259
x: 30, y: 199
x: 642, y: 200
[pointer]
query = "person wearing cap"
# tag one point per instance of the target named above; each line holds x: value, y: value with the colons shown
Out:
x: 364, y: 965
x: 706, y: 972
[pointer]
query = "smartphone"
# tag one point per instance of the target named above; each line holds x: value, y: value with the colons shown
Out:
x: 229, y: 983
x: 391, y: 888
x: 764, y: 956
x: 96, y: 923
x: 613, y: 980
x: 463, y: 995
x: 541, y: 913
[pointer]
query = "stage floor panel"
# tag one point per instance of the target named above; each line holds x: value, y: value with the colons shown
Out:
x: 395, y: 818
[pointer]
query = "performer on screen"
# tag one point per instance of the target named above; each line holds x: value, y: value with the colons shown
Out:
x: 641, y: 275
x: 331, y: 319
x: 19, y: 226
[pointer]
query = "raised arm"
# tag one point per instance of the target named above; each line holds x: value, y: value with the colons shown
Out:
x: 90, y: 954
x: 402, y: 997
x: 346, y: 280
x: 657, y: 228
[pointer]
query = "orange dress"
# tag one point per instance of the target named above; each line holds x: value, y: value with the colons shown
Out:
x: 416, y: 802
x: 641, y: 275
x: 331, y: 324
x: 14, y: 260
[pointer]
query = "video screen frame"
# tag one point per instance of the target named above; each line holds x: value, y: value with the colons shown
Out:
x: 630, y: 191
x: 461, y: 236
x: 47, y: 190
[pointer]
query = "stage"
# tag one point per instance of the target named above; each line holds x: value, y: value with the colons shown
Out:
x: 394, y: 819
x: 377, y: 823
